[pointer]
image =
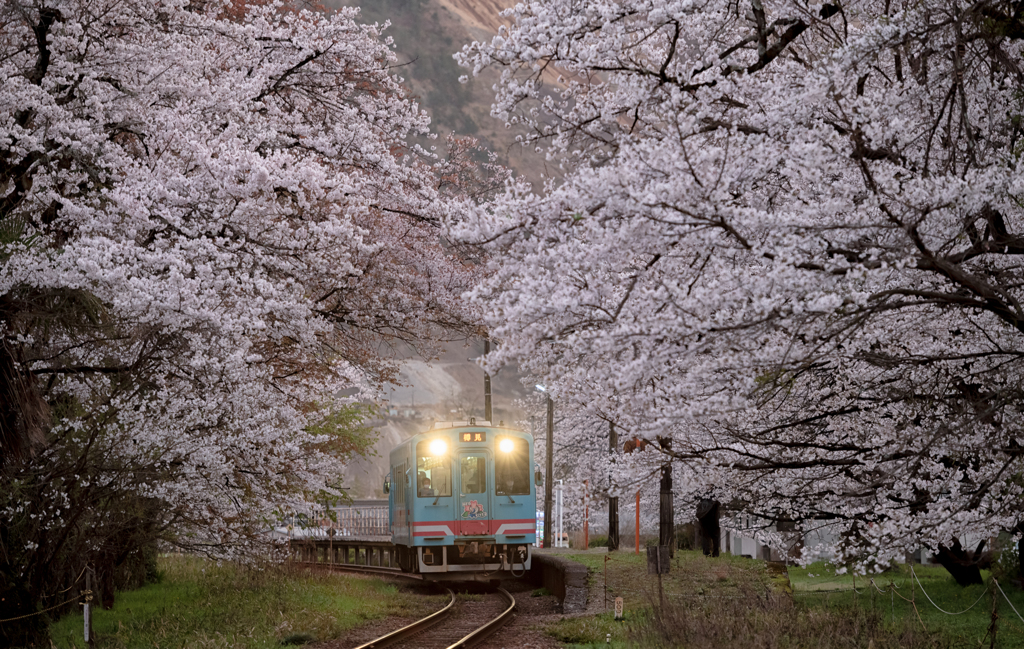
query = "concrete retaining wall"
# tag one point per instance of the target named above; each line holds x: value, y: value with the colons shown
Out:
x: 565, y: 579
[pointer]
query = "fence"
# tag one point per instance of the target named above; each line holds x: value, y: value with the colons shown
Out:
x: 366, y: 521
x: 360, y: 522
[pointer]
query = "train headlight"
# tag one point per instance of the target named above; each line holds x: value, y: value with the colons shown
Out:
x: 506, y: 445
x: 438, y: 447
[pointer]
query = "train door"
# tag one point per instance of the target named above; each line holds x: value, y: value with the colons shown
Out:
x: 474, y: 513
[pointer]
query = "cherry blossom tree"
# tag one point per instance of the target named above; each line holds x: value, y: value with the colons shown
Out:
x: 788, y: 239
x: 211, y: 224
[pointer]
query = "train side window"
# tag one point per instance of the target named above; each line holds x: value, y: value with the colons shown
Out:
x: 512, y: 468
x: 433, y: 473
x: 473, y: 474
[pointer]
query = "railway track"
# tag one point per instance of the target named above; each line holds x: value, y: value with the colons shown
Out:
x: 463, y: 623
x: 362, y: 569
x: 456, y: 626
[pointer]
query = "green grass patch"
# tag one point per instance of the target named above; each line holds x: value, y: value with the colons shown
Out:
x: 819, y: 586
x: 692, y: 574
x: 735, y: 601
x: 199, y: 604
x: 593, y: 631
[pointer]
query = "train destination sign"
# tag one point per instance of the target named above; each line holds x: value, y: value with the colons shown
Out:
x: 474, y: 437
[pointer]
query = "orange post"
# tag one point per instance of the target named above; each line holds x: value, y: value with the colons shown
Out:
x: 638, y: 522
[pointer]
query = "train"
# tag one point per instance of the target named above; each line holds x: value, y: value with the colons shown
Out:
x: 462, y: 498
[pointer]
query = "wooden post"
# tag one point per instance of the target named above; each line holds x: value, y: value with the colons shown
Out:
x: 638, y: 521
x: 658, y: 561
x: 661, y: 594
x: 993, y: 625
x: 613, y: 503
x: 606, y: 558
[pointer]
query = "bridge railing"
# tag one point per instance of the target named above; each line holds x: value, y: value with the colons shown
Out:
x: 360, y: 522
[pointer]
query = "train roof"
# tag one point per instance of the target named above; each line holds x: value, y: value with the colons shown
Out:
x: 445, y: 426
x: 472, y: 424
x: 463, y: 424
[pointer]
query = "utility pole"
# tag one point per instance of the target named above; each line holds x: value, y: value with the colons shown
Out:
x: 549, y: 474
x: 487, y: 383
x: 613, y: 503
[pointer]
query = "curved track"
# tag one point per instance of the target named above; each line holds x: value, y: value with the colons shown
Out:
x: 456, y: 626
x: 366, y: 570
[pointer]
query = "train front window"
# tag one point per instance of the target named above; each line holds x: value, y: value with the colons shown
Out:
x: 512, y: 467
x: 474, y: 474
x: 433, y: 470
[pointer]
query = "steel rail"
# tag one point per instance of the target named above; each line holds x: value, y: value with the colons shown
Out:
x: 371, y: 570
x: 412, y: 629
x: 474, y: 638
x: 483, y: 632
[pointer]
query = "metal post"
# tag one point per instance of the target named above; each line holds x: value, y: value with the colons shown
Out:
x: 487, y: 384
x: 549, y: 474
x: 87, y: 613
x: 613, y: 503
x: 558, y: 543
x: 638, y: 521
x: 586, y: 514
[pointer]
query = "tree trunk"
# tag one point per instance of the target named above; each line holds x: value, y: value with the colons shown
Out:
x: 1020, y: 562
x: 666, y: 513
x: 24, y: 414
x: 709, y: 530
x: 965, y: 569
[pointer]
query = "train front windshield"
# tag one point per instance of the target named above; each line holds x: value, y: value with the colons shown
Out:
x: 512, y: 467
x: 433, y: 470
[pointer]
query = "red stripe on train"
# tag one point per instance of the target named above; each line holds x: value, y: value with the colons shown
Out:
x: 512, y: 526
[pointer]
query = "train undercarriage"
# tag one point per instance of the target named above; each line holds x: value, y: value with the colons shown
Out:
x: 465, y: 557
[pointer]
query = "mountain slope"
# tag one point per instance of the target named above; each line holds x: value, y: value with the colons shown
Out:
x: 427, y: 33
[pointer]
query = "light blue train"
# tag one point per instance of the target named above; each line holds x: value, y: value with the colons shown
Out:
x: 462, y: 501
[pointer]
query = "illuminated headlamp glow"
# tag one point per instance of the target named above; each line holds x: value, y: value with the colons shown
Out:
x: 438, y: 447
x: 506, y: 445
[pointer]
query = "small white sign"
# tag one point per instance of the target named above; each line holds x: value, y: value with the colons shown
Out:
x: 618, y: 608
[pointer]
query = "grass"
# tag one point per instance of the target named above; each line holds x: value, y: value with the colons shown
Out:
x: 593, y: 631
x: 200, y: 604
x: 692, y: 574
x: 734, y: 601
x: 818, y: 585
